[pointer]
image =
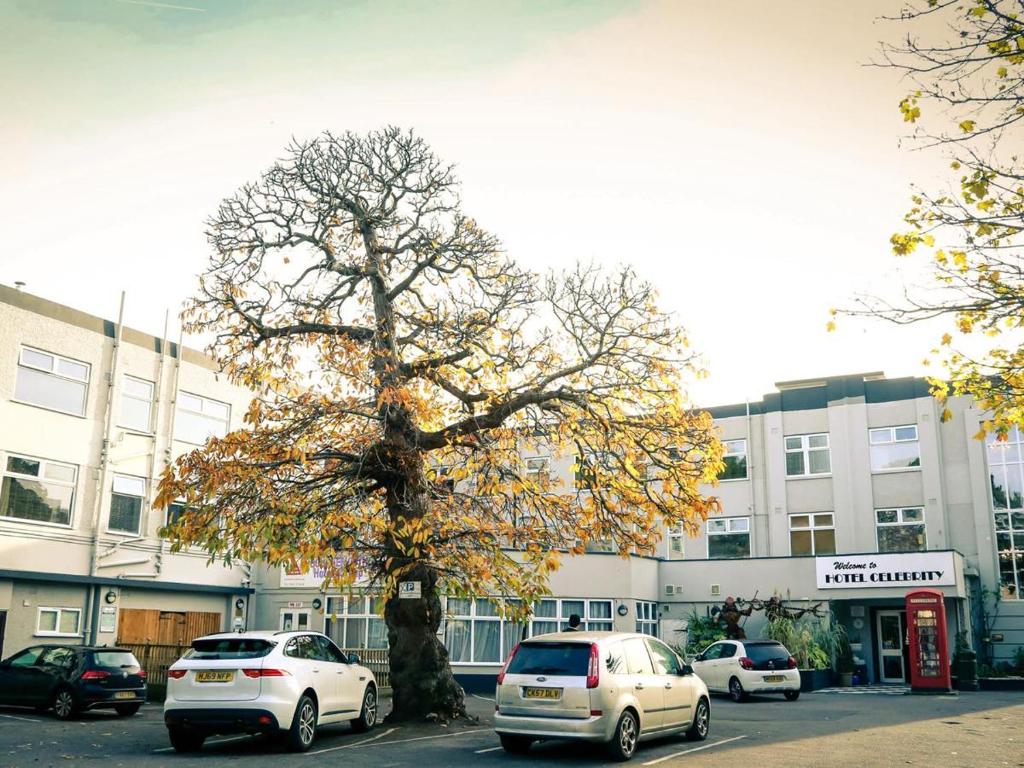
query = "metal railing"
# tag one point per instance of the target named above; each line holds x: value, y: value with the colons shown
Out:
x: 376, y: 660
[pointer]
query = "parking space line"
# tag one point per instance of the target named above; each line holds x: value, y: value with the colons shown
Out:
x: 356, y: 744
x: 695, y: 749
x: 401, y: 741
x: 218, y: 741
x: 489, y: 749
x: 484, y: 698
x: 23, y: 719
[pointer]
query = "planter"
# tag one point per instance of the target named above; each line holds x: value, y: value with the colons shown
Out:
x: 1001, y: 683
x: 815, y: 679
x: 846, y: 679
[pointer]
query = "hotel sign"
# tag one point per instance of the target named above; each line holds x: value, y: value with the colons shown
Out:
x: 913, y: 569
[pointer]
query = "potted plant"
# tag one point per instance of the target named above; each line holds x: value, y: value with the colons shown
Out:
x: 845, y: 664
x: 801, y: 638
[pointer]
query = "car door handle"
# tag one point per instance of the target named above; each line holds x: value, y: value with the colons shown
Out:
x: 639, y: 686
x: 668, y: 685
x: 316, y: 671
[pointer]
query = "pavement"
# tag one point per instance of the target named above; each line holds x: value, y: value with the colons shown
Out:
x: 971, y: 729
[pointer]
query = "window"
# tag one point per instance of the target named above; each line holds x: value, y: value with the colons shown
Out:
x: 1006, y: 473
x: 200, y: 418
x: 647, y: 618
x: 58, y: 622
x: 294, y: 620
x: 51, y: 381
x: 538, y: 471
x: 126, y: 504
x: 894, y: 448
x: 729, y: 537
x: 356, y: 622
x: 136, y: 404
x: 175, y: 510
x: 665, y: 661
x: 813, y: 534
x: 38, y: 490
x: 591, y: 467
x: 735, y: 460
x: 807, y: 455
x: 638, y: 660
x: 676, y: 542
x: 900, y: 530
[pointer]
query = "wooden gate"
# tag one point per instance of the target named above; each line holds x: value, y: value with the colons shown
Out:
x: 154, y: 627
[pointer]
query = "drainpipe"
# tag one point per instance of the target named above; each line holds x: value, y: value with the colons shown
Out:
x: 101, y: 470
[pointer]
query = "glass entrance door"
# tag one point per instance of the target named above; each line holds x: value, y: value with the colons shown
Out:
x: 892, y: 629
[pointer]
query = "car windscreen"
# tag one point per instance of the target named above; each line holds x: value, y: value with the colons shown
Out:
x: 759, y: 652
x: 551, y: 659
x: 115, y: 659
x: 229, y: 648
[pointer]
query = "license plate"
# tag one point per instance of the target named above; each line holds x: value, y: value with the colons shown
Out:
x: 124, y: 695
x: 542, y: 693
x: 214, y: 677
x: 774, y: 678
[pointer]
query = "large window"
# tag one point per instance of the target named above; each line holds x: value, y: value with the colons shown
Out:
x: 51, y: 381
x: 127, y: 495
x: 900, y: 530
x: 38, y: 490
x: 647, y: 618
x: 58, y: 622
x: 729, y: 537
x: 1006, y: 472
x: 136, y: 404
x: 735, y: 460
x: 356, y: 621
x: 807, y: 455
x: 538, y: 471
x: 200, y: 418
x: 813, y: 534
x: 894, y: 448
x: 677, y: 542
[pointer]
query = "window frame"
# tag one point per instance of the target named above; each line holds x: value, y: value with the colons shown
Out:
x: 56, y: 374
x: 1002, y: 458
x: 59, y: 610
x: 729, y: 532
x: 805, y: 451
x: 120, y: 405
x: 676, y: 534
x: 900, y: 523
x: 201, y: 413
x: 139, y: 532
x: 646, y: 617
x: 812, y: 528
x: 730, y: 454
x: 543, y: 485
x: 364, y: 614
x: 893, y: 441
x: 4, y: 472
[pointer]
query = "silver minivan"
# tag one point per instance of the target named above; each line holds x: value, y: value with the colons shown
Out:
x: 617, y: 688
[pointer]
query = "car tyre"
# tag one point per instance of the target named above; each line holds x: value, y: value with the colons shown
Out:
x: 792, y: 695
x: 701, y: 721
x: 303, y: 729
x: 126, y: 710
x: 515, y: 745
x: 736, y: 692
x: 622, y: 747
x: 65, y: 705
x: 368, y: 714
x: 185, y: 741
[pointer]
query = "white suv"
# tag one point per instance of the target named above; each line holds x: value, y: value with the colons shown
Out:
x: 286, y: 683
x: 742, y: 667
x: 617, y: 688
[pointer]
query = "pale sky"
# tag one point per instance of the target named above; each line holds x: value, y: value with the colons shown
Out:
x: 739, y: 154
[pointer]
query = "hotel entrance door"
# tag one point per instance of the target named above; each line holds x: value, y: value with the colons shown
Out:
x: 892, y: 637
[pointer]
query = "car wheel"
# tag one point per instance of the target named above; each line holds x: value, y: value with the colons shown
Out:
x: 792, y: 695
x: 368, y: 714
x: 736, y: 692
x: 701, y: 721
x: 300, y: 736
x: 515, y: 745
x: 126, y: 710
x: 64, y: 704
x: 185, y: 741
x: 623, y: 743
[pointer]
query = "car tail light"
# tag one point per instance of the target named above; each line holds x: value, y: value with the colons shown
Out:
x: 791, y: 663
x: 594, y: 670
x: 504, y: 669
x: 95, y: 674
x: 746, y: 662
x: 265, y: 672
x: 141, y: 673
x: 176, y: 674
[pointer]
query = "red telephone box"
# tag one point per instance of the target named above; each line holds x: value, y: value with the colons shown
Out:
x: 929, y: 651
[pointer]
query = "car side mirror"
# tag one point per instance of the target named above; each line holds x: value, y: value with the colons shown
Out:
x: 353, y: 658
x: 699, y: 657
x: 686, y: 670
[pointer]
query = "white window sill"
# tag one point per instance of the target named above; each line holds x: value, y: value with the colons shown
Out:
x: 57, y: 634
x: 734, y: 480
x: 34, y: 523
x: 809, y: 476
x: 126, y: 534
x: 895, y: 471
x: 137, y: 432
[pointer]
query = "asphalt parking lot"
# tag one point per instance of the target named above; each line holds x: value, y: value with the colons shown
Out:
x: 972, y: 729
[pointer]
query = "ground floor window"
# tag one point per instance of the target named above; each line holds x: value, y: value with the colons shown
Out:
x: 647, y: 618
x: 58, y: 622
x: 1010, y: 546
x: 356, y: 621
x: 729, y: 537
x: 900, y: 530
x: 292, y: 619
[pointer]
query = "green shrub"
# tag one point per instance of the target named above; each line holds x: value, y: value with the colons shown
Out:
x: 811, y: 642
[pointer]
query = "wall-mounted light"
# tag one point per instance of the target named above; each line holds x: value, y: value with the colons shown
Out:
x: 623, y: 609
x: 317, y: 603
x: 239, y: 603
x: 110, y: 597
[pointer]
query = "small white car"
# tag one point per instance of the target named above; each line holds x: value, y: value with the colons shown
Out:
x: 616, y: 688
x: 743, y: 667
x: 275, y: 683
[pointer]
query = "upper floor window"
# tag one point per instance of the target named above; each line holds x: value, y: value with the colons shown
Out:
x: 807, y: 455
x: 677, y: 542
x: 38, y: 490
x: 894, y: 447
x: 126, y: 504
x: 592, y: 468
x: 200, y: 418
x: 900, y: 530
x: 813, y: 534
x: 538, y: 471
x: 735, y: 460
x: 51, y: 381
x: 729, y: 537
x: 136, y: 404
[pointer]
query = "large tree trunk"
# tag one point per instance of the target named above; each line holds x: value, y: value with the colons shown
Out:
x: 421, y: 679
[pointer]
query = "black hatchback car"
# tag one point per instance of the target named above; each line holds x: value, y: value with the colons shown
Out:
x: 72, y: 678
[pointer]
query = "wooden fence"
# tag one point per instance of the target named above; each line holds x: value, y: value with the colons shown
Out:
x: 376, y: 660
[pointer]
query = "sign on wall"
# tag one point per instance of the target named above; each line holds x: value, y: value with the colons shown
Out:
x: 307, y: 576
x: 914, y: 569
x: 409, y: 590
